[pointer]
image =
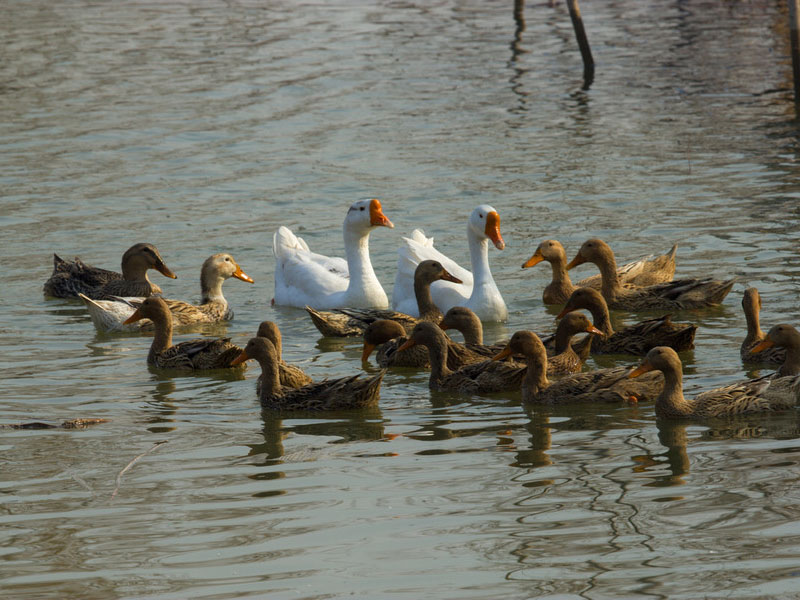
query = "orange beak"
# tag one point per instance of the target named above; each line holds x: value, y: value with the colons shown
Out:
x: 410, y: 343
x: 564, y: 311
x: 165, y: 270
x: 239, y: 274
x: 768, y: 343
x: 447, y: 277
x: 640, y: 370
x: 240, y: 359
x: 492, y: 230
x: 578, y: 260
x: 505, y: 352
x: 594, y: 330
x: 534, y: 260
x: 376, y: 216
x: 133, y: 318
x: 368, y: 348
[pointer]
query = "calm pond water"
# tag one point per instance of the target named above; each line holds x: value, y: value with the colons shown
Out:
x: 203, y: 126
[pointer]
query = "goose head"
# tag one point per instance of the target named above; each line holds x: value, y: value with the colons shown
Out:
x: 365, y: 214
x: 484, y: 222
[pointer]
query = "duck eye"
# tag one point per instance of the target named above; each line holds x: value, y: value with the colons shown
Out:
x: 362, y: 208
x: 480, y: 215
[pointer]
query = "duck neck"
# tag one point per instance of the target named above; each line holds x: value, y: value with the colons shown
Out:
x: 162, y: 337
x: 608, y: 272
x: 270, y: 378
x: 134, y: 271
x: 437, y: 351
x: 790, y: 366
x: 472, y: 331
x: 754, y: 333
x: 362, y: 277
x: 535, y: 380
x: 671, y: 402
x: 211, y: 287
x: 560, y: 274
x: 601, y: 318
x: 428, y: 311
x: 562, y: 338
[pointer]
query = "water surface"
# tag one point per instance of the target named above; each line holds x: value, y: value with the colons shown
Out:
x: 202, y: 127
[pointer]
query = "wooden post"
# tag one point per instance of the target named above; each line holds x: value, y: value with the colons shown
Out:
x: 794, y: 26
x: 583, y: 42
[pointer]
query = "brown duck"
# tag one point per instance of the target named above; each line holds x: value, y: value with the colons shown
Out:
x: 634, y: 339
x: 775, y: 355
x: 481, y: 377
x: 330, y: 394
x: 72, y: 278
x: 290, y: 376
x: 764, y: 395
x: 344, y: 322
x: 390, y: 336
x: 110, y: 315
x: 643, y: 272
x: 206, y: 353
x: 604, y: 385
x: 465, y: 321
x: 675, y: 295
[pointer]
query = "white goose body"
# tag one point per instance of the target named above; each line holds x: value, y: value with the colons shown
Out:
x: 305, y: 278
x: 478, y: 291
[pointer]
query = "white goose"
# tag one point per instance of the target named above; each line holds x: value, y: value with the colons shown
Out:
x: 305, y: 278
x: 478, y: 292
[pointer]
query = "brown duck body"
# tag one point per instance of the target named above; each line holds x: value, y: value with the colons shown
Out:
x: 345, y: 393
x: 674, y: 295
x: 767, y: 394
x: 565, y: 357
x: 604, y: 385
x: 289, y: 375
x: 72, y: 278
x: 776, y: 355
x: 109, y: 315
x: 201, y: 354
x: 389, y: 336
x: 344, y: 322
x: 643, y: 272
x: 635, y: 339
x: 477, y: 378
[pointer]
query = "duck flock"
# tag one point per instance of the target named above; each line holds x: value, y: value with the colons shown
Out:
x: 433, y: 294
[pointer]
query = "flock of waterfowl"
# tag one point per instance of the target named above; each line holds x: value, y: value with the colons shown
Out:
x: 433, y: 294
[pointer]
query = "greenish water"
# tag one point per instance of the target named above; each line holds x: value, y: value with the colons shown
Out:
x: 202, y: 127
